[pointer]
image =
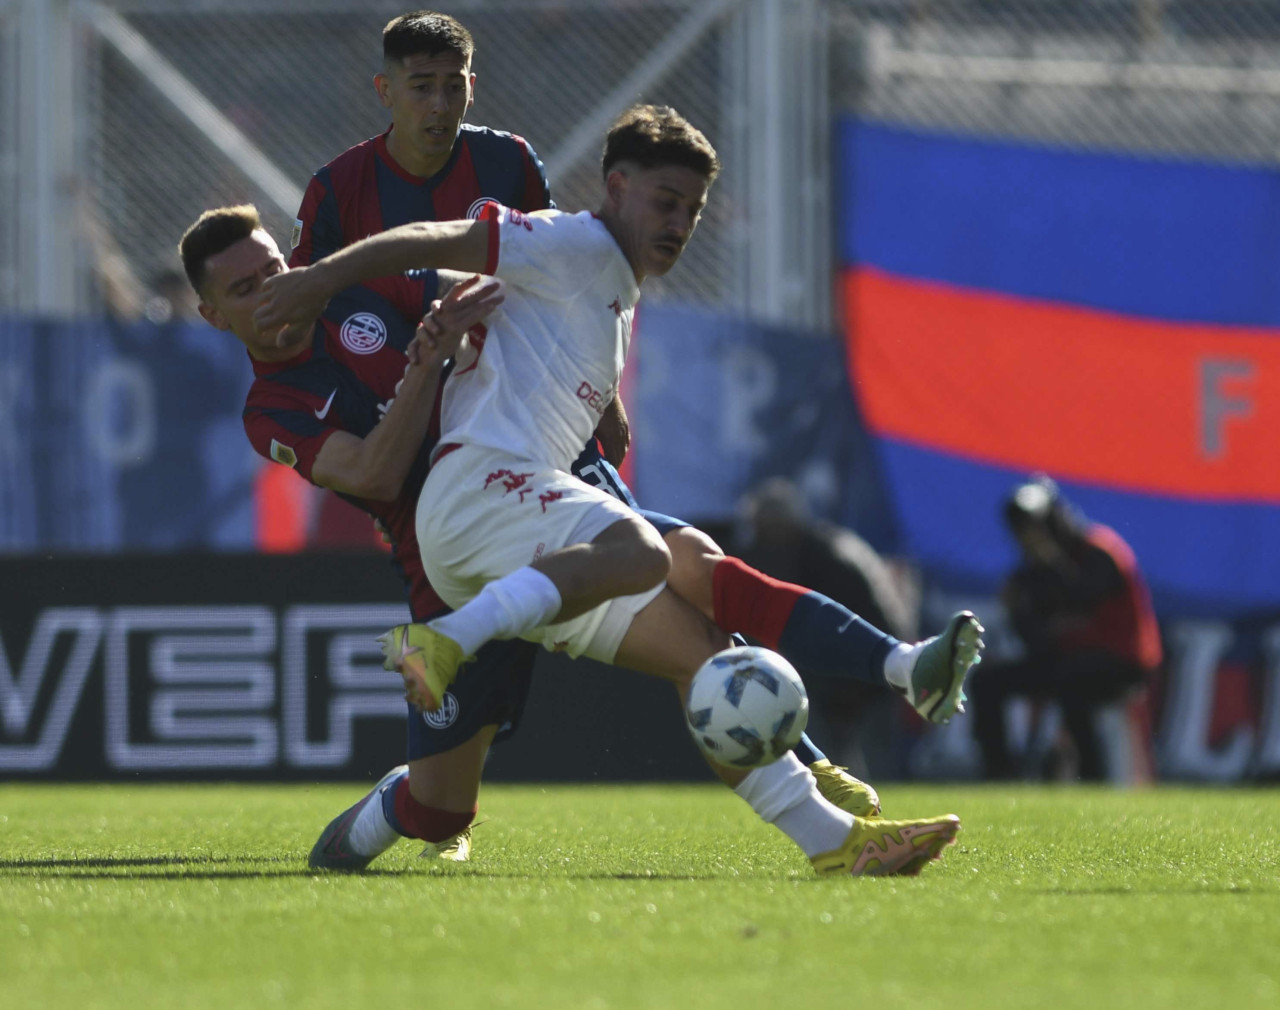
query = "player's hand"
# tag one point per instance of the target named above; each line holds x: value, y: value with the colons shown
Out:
x: 290, y: 298
x: 442, y: 329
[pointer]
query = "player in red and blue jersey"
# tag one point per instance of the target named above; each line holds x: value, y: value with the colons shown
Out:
x: 368, y: 189
x: 352, y: 403
x: 430, y: 166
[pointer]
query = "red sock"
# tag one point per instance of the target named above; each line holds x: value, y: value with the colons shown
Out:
x: 431, y: 824
x: 748, y: 602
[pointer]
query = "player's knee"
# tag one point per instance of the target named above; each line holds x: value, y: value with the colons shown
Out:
x: 650, y: 559
x: 634, y: 555
x: 692, y: 545
x: 694, y: 557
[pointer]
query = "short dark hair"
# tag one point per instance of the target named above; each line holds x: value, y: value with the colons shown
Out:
x: 215, y: 231
x: 427, y: 33
x: 656, y: 135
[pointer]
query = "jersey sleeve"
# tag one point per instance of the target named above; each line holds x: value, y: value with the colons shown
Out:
x: 411, y: 293
x: 550, y: 253
x: 317, y: 231
x: 290, y: 434
x: 536, y: 191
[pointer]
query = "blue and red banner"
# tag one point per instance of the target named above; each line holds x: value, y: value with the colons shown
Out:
x: 1111, y: 320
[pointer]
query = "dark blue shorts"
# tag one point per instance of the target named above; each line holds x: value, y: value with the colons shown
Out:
x: 492, y: 690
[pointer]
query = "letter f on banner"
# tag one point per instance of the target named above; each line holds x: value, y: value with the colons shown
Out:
x: 1217, y: 404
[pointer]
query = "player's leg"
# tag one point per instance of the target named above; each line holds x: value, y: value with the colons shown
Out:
x: 434, y: 797
x: 817, y: 634
x: 670, y: 639
x: 625, y: 558
x: 439, y: 802
x: 694, y: 557
x: 515, y: 551
x: 391, y: 811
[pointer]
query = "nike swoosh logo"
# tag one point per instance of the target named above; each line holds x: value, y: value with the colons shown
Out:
x: 327, y: 404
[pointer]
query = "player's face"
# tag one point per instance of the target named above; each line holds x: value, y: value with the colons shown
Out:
x: 233, y: 284
x: 657, y: 209
x: 428, y: 97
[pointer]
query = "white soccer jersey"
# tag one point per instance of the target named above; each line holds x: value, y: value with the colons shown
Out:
x: 534, y: 380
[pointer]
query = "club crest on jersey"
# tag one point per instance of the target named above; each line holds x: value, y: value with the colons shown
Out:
x: 445, y: 716
x: 283, y: 454
x: 363, y: 333
x: 296, y: 235
x: 477, y: 207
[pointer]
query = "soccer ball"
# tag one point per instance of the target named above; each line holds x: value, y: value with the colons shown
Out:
x: 747, y: 707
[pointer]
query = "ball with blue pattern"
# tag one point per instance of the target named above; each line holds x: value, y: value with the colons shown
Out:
x: 747, y: 707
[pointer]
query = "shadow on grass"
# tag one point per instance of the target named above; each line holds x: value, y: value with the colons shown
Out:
x: 183, y: 868
x: 233, y: 868
x: 198, y: 874
x: 1085, y: 892
x: 114, y: 861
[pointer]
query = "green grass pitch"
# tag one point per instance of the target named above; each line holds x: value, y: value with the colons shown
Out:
x: 619, y: 897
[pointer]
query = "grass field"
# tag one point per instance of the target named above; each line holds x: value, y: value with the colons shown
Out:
x: 615, y: 897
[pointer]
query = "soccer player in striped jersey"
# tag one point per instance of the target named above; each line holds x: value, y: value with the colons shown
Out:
x: 428, y: 165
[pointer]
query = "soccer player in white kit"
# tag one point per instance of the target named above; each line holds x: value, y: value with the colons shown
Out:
x: 510, y: 539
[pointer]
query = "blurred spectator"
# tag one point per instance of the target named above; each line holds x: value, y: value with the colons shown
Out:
x: 1081, y: 608
x: 777, y: 534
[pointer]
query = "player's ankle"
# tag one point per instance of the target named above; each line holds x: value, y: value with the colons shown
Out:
x: 898, y: 664
x: 431, y: 824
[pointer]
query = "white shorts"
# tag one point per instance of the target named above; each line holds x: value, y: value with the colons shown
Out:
x: 483, y: 513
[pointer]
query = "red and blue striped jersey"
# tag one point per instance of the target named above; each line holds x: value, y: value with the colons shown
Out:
x: 345, y: 380
x: 364, y: 191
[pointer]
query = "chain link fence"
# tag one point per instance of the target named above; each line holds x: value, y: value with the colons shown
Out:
x: 1196, y: 78
x: 295, y: 80
x: 165, y: 88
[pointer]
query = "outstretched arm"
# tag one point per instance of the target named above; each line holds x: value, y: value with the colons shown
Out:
x: 299, y: 296
x: 375, y: 466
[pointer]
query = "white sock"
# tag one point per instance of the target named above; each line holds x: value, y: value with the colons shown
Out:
x: 506, y: 608
x: 786, y: 795
x: 899, y: 664
x: 372, y: 834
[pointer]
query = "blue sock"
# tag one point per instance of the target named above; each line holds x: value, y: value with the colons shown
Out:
x: 825, y: 639
x: 807, y: 751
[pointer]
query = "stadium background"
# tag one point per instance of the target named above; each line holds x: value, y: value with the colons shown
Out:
x: 954, y: 242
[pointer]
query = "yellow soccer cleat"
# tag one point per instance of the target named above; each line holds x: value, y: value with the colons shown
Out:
x: 427, y: 661
x: 879, y: 848
x: 841, y: 789
x: 455, y: 850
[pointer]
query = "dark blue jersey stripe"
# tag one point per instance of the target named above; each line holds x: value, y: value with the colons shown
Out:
x: 498, y: 160
x: 326, y: 228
